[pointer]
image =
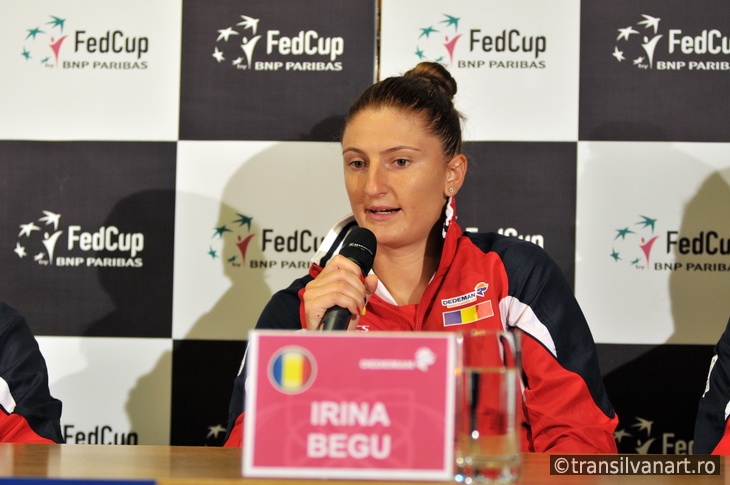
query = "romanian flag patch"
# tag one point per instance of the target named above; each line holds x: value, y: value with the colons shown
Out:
x: 469, y: 314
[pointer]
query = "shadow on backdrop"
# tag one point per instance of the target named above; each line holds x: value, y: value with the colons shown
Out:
x: 275, y: 188
x: 139, y: 283
x: 656, y: 388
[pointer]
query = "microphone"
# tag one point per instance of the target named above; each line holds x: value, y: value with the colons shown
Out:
x: 359, y: 246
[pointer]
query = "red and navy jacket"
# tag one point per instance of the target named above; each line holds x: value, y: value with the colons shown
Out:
x: 712, y: 427
x: 28, y: 412
x: 488, y: 281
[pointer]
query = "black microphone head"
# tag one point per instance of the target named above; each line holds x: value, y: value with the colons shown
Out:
x: 359, y: 246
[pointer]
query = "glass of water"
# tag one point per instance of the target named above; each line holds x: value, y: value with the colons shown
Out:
x: 488, y: 395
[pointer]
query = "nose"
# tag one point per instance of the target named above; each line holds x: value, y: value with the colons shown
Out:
x: 375, y: 180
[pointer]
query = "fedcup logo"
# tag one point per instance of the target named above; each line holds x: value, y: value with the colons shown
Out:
x: 437, y: 41
x: 633, y: 243
x: 646, y: 45
x: 507, y: 47
x: 641, y: 245
x: 292, y: 370
x: 245, y: 32
x: 43, y: 42
x: 230, y: 240
x: 43, y: 239
x: 244, y: 46
x: 87, y: 47
x: 27, y: 238
x: 639, y: 436
x: 637, y: 42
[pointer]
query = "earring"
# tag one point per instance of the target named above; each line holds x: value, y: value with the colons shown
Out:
x: 451, y: 190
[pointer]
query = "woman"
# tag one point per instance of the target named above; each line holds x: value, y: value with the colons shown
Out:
x: 403, y: 166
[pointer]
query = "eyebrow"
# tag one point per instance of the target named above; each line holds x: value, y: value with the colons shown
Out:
x: 389, y: 150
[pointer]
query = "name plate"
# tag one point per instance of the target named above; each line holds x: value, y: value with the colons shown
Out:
x: 352, y: 405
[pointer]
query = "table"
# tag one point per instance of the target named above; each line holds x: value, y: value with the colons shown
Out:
x: 187, y: 465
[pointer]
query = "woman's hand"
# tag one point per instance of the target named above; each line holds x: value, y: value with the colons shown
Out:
x: 339, y: 284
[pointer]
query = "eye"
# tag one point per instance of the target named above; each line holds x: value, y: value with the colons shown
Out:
x: 357, y: 164
x: 401, y: 162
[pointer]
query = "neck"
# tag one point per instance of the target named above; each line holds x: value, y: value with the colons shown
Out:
x: 406, y: 272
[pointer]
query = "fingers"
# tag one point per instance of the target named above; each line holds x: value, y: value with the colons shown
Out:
x: 339, y: 284
x: 371, y: 284
x: 354, y: 320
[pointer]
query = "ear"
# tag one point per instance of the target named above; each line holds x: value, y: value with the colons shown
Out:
x: 455, y: 173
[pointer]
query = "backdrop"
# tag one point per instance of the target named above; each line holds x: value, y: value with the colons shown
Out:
x: 166, y: 166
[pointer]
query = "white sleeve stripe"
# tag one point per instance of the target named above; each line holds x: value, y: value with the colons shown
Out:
x: 517, y: 314
x: 709, y: 373
x: 6, y: 399
x: 330, y: 239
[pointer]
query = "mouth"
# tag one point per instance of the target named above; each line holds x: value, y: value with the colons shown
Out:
x: 382, y: 211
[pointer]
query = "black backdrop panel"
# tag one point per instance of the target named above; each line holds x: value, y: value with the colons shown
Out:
x: 671, y: 84
x: 526, y: 190
x: 655, y: 390
x: 202, y: 382
x: 289, y: 71
x: 88, y: 232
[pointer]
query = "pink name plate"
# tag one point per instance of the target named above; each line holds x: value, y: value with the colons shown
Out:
x: 353, y: 405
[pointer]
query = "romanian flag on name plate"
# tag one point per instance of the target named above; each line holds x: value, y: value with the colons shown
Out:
x: 291, y: 370
x: 469, y: 315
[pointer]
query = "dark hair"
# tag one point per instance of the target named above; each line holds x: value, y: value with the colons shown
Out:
x: 429, y: 89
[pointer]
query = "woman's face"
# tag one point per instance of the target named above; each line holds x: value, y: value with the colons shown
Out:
x: 396, y: 175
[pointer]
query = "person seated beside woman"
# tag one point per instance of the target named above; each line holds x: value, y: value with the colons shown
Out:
x: 712, y: 427
x: 28, y: 412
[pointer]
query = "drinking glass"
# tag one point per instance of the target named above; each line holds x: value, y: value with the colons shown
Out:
x: 487, y: 399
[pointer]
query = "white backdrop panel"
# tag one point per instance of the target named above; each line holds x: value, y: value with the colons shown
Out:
x: 515, y: 62
x: 115, y: 73
x: 284, y: 196
x: 630, y: 193
x: 111, y: 388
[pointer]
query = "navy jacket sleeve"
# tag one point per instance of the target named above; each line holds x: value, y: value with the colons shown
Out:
x: 29, y: 412
x: 711, y: 423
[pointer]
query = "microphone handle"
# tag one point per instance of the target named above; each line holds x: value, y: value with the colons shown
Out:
x: 336, y: 318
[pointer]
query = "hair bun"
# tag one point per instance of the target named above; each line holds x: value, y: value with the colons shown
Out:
x: 427, y: 91
x: 437, y: 75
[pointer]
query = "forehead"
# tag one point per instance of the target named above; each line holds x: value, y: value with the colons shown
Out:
x: 386, y: 123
